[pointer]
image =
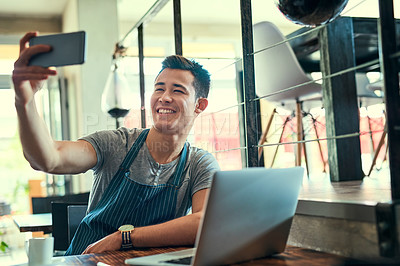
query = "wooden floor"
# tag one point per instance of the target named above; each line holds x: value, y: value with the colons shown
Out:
x: 370, y: 190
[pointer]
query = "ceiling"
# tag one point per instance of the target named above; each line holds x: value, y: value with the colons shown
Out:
x: 193, y: 11
x: 216, y: 19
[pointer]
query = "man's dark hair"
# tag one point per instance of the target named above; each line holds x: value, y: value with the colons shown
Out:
x: 201, y: 81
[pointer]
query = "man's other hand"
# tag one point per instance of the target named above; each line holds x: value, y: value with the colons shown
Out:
x: 108, y: 243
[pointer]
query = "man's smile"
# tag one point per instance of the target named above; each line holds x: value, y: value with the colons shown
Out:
x: 165, y: 111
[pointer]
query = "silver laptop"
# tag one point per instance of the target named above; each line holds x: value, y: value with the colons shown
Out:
x: 248, y: 215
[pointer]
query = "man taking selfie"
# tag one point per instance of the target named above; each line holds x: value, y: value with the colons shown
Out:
x: 146, y: 181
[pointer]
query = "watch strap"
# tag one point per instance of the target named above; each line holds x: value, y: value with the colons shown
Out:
x: 126, y: 240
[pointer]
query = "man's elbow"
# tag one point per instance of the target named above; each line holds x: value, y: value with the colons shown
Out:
x: 42, y: 167
x: 196, y: 217
x: 47, y: 167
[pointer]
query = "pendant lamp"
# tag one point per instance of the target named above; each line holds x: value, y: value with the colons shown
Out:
x: 115, y: 100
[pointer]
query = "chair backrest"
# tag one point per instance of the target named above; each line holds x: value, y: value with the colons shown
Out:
x: 43, y: 204
x: 366, y: 96
x: 362, y: 86
x: 277, y: 67
x: 376, y: 86
x: 60, y: 222
x: 75, y: 216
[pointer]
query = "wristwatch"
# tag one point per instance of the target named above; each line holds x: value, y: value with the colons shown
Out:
x: 126, y: 231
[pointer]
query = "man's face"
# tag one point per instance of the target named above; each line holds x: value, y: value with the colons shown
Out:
x: 173, y: 102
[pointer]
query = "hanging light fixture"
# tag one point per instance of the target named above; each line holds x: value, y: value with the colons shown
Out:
x: 115, y: 100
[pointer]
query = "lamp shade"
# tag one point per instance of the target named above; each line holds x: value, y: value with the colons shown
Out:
x: 115, y: 99
x: 311, y: 12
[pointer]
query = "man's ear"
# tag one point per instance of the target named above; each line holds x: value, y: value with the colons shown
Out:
x: 201, y: 105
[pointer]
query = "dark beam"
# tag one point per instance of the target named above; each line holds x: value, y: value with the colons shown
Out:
x: 141, y: 77
x: 340, y: 100
x: 241, y: 110
x: 249, y: 84
x: 178, y: 27
x: 390, y: 70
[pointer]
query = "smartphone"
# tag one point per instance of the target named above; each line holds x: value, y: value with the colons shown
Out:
x: 67, y: 49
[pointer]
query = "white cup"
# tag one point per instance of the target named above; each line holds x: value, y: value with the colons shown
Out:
x: 40, y: 250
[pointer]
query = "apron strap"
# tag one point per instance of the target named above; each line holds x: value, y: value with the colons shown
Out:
x: 177, y: 175
x: 133, y: 151
x: 123, y: 169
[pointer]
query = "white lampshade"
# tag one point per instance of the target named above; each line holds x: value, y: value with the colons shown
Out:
x: 116, y: 100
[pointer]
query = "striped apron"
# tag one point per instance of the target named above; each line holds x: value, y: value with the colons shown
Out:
x: 127, y: 202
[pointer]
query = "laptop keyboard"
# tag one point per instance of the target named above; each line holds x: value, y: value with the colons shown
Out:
x: 185, y: 260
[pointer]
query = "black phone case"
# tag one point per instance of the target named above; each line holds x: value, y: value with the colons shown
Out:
x: 67, y: 49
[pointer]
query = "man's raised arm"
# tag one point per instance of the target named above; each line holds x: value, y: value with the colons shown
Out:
x: 42, y: 152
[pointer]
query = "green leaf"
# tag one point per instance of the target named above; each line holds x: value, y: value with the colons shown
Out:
x: 3, y: 246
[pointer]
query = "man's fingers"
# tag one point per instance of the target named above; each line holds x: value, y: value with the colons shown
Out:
x: 36, y: 49
x: 34, y: 69
x: 32, y: 73
x: 19, y: 77
x: 27, y: 53
x: 29, y: 76
x: 86, y: 251
x: 23, y: 43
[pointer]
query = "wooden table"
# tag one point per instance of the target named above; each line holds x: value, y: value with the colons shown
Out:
x: 291, y: 256
x: 34, y: 222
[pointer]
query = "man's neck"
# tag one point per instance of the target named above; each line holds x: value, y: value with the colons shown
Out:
x: 164, y: 148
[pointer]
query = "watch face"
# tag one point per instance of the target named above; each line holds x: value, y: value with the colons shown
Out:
x: 126, y: 227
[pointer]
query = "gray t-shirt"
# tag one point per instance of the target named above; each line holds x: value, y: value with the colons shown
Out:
x: 111, y: 147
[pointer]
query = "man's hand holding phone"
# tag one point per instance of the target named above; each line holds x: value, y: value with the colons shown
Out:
x: 29, y: 79
x: 38, y: 53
